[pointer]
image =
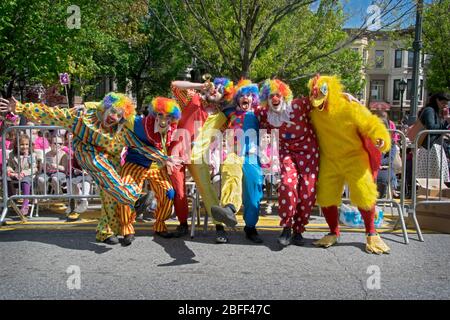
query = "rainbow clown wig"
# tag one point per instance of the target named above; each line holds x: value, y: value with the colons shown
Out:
x: 273, y: 87
x: 118, y: 101
x: 245, y: 87
x: 165, y: 106
x: 226, y: 87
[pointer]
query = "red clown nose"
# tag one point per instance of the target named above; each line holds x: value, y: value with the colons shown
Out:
x: 275, y: 100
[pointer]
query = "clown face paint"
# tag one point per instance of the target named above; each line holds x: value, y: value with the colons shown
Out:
x: 111, y: 117
x: 245, y: 102
x: 276, y: 102
x: 163, y: 122
x: 214, y: 94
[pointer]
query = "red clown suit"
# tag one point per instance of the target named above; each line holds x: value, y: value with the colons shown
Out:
x: 299, y: 156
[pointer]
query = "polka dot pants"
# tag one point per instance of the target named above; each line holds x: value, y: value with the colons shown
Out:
x: 297, y: 193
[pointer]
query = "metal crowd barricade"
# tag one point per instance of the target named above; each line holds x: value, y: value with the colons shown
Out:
x: 428, y: 199
x: 10, y: 200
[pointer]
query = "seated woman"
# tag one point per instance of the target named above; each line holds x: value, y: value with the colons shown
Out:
x: 56, y: 163
x: 21, y: 169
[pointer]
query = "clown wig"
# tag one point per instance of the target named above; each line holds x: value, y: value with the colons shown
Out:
x: 273, y: 87
x: 245, y: 87
x: 226, y: 87
x: 118, y: 101
x: 165, y: 106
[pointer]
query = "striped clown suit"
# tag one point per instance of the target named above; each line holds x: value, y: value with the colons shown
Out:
x: 97, y: 150
x: 138, y: 169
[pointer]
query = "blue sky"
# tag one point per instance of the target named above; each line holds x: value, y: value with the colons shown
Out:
x: 357, y: 11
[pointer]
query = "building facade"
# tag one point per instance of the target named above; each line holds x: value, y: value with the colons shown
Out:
x: 386, y: 63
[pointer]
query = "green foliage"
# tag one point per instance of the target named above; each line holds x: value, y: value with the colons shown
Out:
x: 436, y: 32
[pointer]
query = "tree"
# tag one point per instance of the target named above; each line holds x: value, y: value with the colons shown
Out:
x: 264, y: 38
x: 436, y: 36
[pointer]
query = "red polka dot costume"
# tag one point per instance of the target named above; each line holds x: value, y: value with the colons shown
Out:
x: 298, y: 149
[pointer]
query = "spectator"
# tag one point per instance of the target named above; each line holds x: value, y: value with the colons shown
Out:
x: 56, y: 164
x: 41, y: 145
x: 22, y: 167
x: 81, y: 185
x: 385, y: 117
x: 433, y: 118
x: 387, y: 170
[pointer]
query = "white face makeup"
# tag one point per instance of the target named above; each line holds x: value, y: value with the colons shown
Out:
x: 112, y: 116
x: 277, y: 103
x: 214, y: 94
x: 163, y: 122
x: 245, y: 102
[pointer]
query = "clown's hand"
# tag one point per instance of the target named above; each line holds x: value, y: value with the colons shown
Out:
x: 8, y: 105
x: 379, y: 144
x: 173, y: 163
x: 350, y: 98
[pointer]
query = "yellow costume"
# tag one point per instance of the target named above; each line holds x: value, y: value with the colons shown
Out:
x: 347, y: 133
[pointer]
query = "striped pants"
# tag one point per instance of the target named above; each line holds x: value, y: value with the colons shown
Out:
x: 159, y: 182
x: 103, y: 168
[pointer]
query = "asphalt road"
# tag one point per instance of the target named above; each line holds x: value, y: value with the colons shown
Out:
x: 34, y: 265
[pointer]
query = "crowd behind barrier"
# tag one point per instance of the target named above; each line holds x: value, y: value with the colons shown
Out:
x: 38, y: 164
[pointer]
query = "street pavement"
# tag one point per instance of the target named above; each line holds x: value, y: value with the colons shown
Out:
x: 42, y: 262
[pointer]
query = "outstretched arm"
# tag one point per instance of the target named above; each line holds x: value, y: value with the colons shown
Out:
x: 183, y: 91
x: 150, y: 152
x: 56, y: 116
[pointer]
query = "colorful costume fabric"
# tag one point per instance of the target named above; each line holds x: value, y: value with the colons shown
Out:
x: 97, y: 149
x: 347, y: 133
x: 242, y: 177
x: 200, y: 121
x: 138, y: 168
x: 299, y: 154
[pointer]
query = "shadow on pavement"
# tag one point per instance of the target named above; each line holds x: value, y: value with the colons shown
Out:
x: 176, y: 248
x: 75, y: 240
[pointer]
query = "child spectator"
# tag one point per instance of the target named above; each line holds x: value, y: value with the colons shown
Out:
x: 81, y: 185
x: 56, y: 164
x: 22, y: 167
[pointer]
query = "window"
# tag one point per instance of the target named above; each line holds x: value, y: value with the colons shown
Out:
x: 377, y: 90
x: 410, y: 59
x: 379, y: 59
x: 396, y: 89
x: 365, y: 56
x: 409, y: 89
x: 398, y: 58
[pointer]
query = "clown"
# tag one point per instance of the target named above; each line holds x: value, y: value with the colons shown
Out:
x: 299, y: 156
x: 155, y: 130
x: 200, y: 122
x: 242, y: 177
x: 350, y: 140
x: 99, y: 134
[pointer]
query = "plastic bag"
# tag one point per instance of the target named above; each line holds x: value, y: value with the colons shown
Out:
x: 351, y: 217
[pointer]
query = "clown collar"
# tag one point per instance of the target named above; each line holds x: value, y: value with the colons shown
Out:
x: 277, y: 119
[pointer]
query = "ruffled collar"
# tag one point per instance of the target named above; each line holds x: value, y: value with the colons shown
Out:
x: 276, y: 119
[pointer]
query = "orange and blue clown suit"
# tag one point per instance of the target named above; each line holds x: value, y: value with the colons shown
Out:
x: 97, y: 150
x: 138, y: 169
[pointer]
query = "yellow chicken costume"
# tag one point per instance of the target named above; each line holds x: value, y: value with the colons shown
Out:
x: 350, y: 140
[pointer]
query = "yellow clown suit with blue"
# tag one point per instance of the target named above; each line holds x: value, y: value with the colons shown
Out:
x: 351, y: 140
x: 156, y: 129
x: 100, y: 132
x: 242, y: 177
